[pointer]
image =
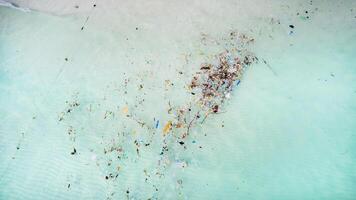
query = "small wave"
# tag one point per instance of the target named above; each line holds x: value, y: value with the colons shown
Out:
x: 13, y: 5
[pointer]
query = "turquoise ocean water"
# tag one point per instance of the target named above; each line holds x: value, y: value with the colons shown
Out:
x: 287, y: 132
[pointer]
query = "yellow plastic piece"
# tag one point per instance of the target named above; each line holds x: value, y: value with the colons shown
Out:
x: 167, y: 127
x: 125, y: 110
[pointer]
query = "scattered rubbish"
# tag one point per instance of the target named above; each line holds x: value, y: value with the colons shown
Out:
x: 70, y: 107
x: 167, y: 127
x: 216, y: 109
x: 238, y: 82
x: 208, y: 89
x: 73, y: 152
x: 125, y: 110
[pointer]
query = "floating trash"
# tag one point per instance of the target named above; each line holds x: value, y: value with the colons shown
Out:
x: 167, y: 127
x: 125, y: 110
x: 209, y: 87
x: 157, y: 124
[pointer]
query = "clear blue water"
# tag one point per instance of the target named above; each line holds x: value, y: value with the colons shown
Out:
x: 287, y: 132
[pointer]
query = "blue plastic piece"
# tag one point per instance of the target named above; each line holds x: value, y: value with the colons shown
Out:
x: 157, y: 123
x: 238, y: 82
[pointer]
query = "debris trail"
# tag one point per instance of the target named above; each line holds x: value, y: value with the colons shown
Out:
x: 210, y: 86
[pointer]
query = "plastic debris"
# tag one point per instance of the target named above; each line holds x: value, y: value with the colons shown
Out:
x: 125, y: 110
x: 167, y: 127
x: 238, y: 82
x: 210, y: 86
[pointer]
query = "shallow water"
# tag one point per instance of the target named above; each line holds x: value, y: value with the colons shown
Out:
x: 287, y: 132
